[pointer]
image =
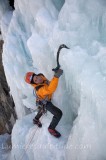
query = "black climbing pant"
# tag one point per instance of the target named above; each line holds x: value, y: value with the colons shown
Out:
x: 57, y: 114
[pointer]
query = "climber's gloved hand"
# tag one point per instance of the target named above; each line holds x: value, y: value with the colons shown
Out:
x: 58, y: 73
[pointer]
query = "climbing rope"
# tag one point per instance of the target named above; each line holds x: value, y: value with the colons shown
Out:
x: 29, y: 142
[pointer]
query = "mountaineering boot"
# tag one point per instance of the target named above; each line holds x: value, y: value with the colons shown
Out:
x: 54, y: 132
x: 37, y: 122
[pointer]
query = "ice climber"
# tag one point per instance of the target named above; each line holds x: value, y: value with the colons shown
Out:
x: 44, y: 90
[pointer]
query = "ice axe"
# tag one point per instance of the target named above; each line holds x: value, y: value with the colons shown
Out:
x: 58, y: 52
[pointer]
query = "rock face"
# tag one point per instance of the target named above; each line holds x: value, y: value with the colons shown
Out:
x: 7, y: 107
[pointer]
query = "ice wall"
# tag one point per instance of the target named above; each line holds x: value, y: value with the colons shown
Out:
x: 36, y: 30
x: 5, y: 16
x: 85, y: 67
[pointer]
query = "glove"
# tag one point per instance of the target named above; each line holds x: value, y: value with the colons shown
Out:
x: 58, y: 73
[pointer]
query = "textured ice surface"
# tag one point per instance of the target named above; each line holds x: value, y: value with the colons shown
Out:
x: 35, y: 31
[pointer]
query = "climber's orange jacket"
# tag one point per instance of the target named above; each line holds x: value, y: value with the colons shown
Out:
x: 46, y: 89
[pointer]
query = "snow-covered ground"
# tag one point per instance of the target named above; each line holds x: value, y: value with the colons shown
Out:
x: 32, y: 35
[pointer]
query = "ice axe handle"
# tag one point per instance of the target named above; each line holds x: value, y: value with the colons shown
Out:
x: 58, y: 52
x: 55, y: 69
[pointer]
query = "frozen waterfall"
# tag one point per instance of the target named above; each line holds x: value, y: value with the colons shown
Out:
x: 32, y: 35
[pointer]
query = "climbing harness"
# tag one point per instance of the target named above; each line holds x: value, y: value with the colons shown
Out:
x: 41, y: 103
